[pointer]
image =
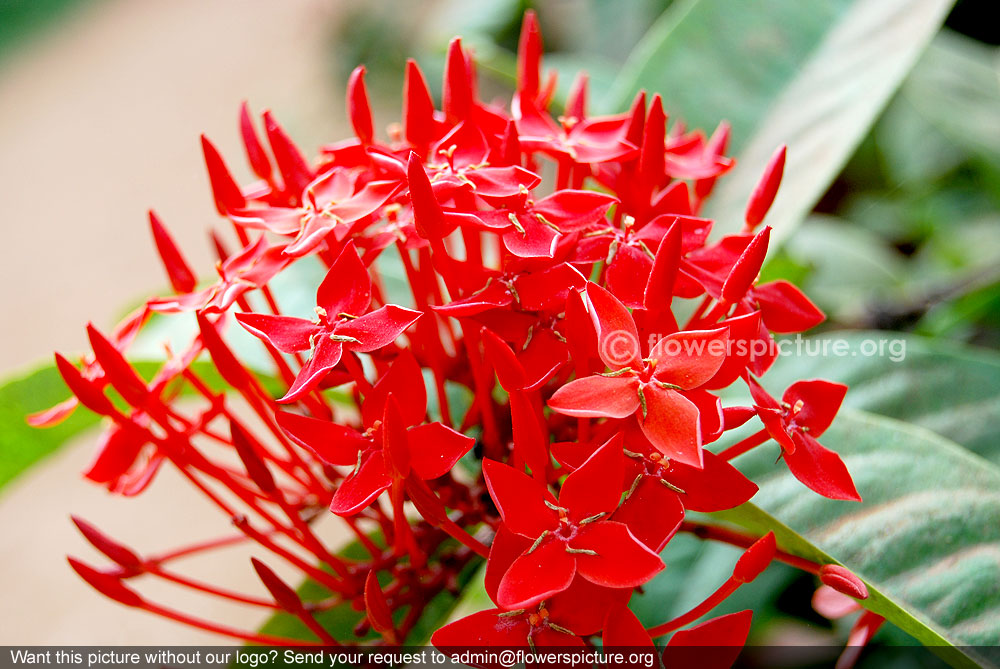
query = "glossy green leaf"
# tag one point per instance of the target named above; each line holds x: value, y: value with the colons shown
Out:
x: 926, y: 539
x: 951, y: 389
x: 812, y: 75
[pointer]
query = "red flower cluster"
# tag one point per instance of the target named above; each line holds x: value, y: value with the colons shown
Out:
x: 572, y: 409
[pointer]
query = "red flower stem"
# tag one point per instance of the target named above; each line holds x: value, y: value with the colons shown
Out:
x: 491, y: 431
x: 699, y: 312
x: 309, y: 621
x: 720, y: 309
x: 456, y: 532
x: 741, y: 447
x: 194, y: 549
x: 208, y: 589
x: 357, y: 373
x: 713, y: 600
x: 563, y: 173
x: 231, y: 632
x: 323, y: 578
x: 742, y: 540
x: 442, y: 393
x: 363, y: 538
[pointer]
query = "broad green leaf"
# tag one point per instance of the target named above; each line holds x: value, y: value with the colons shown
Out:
x: 956, y: 87
x: 22, y: 445
x: 951, y: 389
x: 926, y: 539
x: 810, y: 75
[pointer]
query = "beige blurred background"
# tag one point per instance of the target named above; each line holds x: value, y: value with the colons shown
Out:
x: 99, y: 120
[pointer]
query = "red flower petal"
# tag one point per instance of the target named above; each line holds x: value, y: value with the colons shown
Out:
x: 820, y: 399
x: 820, y: 469
x: 485, y: 628
x: 717, y: 486
x: 435, y: 448
x: 324, y: 357
x: 622, y: 561
x: 714, y: 644
x: 763, y: 194
x: 332, y: 443
x: 744, y: 272
x: 690, y: 359
x: 671, y: 425
x: 359, y: 489
x: 404, y: 380
x: 598, y: 396
x: 506, y: 548
x: 347, y: 287
x: 285, y: 333
x: 537, y: 575
x: 623, y: 630
x: 520, y: 499
x: 596, y: 487
x: 653, y: 513
x: 378, y: 328
x: 618, y: 339
x: 785, y: 309
x: 583, y: 606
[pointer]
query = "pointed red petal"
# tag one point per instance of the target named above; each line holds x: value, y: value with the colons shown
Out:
x: 225, y: 190
x: 717, y: 486
x: 121, y: 554
x: 418, y: 108
x: 596, y: 487
x: 333, y: 443
x: 347, y: 286
x: 325, y: 357
x: 653, y: 529
x: 285, y: 333
x: 529, y: 58
x: 435, y: 448
x: 509, y: 371
x: 106, y: 584
x: 755, y: 559
x: 820, y: 469
x: 178, y: 271
x: 485, y: 628
x: 714, y: 644
x: 746, y: 268
x: 377, y: 608
x: 378, y: 328
x: 405, y: 380
x: 622, y: 629
x: 255, y: 152
x: 785, y: 309
x: 691, y: 358
x: 820, y: 399
x: 359, y: 490
x: 358, y: 109
x: 598, y: 396
x: 672, y: 425
x: 456, y: 95
x: 506, y: 548
x: 537, y: 575
x: 622, y: 561
x: 427, y: 216
x: 283, y: 594
x: 763, y: 194
x: 520, y: 499
x: 618, y: 338
x: 293, y: 166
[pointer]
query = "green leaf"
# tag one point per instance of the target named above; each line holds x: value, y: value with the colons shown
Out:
x: 951, y: 389
x: 810, y: 75
x: 926, y: 539
x: 22, y: 445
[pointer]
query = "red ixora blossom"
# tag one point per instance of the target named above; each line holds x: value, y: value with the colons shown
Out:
x: 552, y: 430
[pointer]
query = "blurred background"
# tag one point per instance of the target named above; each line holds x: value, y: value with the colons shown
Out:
x: 103, y: 102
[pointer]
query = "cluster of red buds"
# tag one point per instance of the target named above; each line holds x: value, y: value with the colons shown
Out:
x: 536, y: 403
